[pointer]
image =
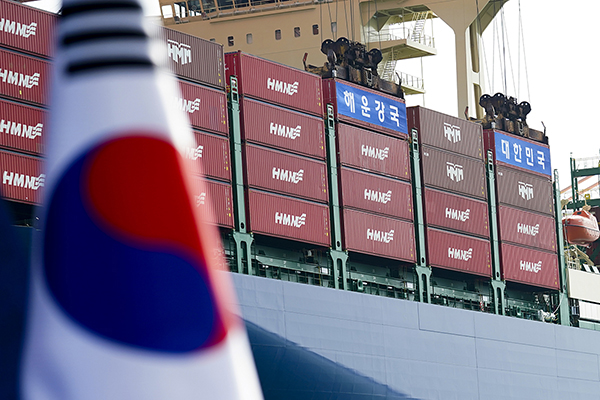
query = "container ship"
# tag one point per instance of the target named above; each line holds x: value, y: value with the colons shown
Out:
x: 379, y: 251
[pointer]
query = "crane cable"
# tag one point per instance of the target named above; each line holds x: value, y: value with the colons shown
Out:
x: 336, y: 16
x: 321, y: 18
x: 346, y: 14
x: 504, y: 45
x: 506, y: 48
x: 483, y: 56
x: 479, y: 37
x: 510, y: 61
x: 501, y: 51
x: 377, y: 24
x: 485, y: 62
x: 331, y: 22
x: 524, y: 52
x: 500, y: 36
x: 519, y: 54
x: 362, y: 23
x: 494, y: 37
x: 352, y: 19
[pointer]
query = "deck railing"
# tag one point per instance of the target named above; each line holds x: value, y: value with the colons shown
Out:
x: 208, y: 9
x: 400, y: 34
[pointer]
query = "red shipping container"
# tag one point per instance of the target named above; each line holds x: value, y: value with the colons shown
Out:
x: 524, y: 190
x: 330, y: 97
x: 275, y: 83
x: 371, y: 151
x: 22, y: 178
x: 290, y: 218
x: 533, y: 267
x: 205, y: 107
x: 446, y: 132
x: 193, y: 58
x: 282, y: 128
x: 376, y: 194
x: 22, y: 127
x: 458, y: 213
x: 459, y: 252
x: 377, y: 235
x: 23, y: 78
x: 211, y: 155
x: 285, y: 173
x: 216, y: 195
x: 449, y: 171
x: 26, y: 28
x: 533, y: 159
x: 527, y: 228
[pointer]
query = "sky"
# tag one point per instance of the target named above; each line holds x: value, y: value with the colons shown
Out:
x: 558, y: 72
x: 560, y: 80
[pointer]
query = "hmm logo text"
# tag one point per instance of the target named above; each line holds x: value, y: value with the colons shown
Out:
x: 188, y: 106
x: 22, y: 180
x: 282, y: 87
x: 458, y: 254
x: 525, y: 190
x: 20, y: 130
x: 457, y: 215
x: 194, y: 153
x: 455, y: 172
x: 531, y: 230
x: 378, y: 197
x: 285, y: 131
x: 373, y: 152
x: 295, y: 221
x: 452, y: 132
x: 200, y: 199
x: 17, y: 79
x: 287, y: 176
x: 378, y: 236
x: 531, y: 266
x: 17, y: 28
x: 179, y: 52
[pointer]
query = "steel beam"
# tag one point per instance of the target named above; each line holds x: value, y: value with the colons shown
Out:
x: 563, y: 298
x: 421, y: 269
x: 338, y: 257
x: 498, y: 285
x: 243, y: 239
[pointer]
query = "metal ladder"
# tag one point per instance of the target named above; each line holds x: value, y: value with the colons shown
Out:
x: 387, y: 68
x: 419, y: 19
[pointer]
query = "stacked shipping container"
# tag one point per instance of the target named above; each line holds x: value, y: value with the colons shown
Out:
x: 528, y: 249
x: 25, y: 42
x: 455, y: 191
x: 283, y: 134
x: 199, y: 66
x: 27, y: 29
x: 24, y: 79
x: 284, y: 153
x: 374, y: 171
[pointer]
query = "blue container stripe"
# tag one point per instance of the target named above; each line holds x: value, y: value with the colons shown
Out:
x: 520, y: 153
x: 371, y: 107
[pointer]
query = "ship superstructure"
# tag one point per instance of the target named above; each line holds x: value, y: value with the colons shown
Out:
x: 283, y: 31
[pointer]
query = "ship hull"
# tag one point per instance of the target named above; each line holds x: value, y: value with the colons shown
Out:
x: 406, y: 348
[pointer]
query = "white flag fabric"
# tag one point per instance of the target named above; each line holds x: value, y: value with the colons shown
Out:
x: 126, y: 301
